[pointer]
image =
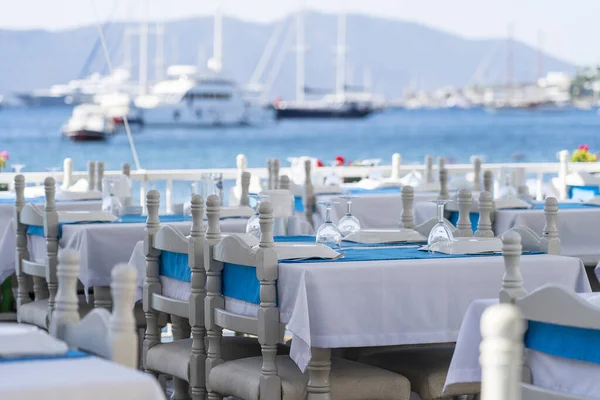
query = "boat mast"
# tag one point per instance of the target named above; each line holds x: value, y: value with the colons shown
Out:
x: 143, y: 63
x: 341, y: 56
x: 509, y: 63
x: 159, y: 61
x: 300, y: 52
x: 215, y: 63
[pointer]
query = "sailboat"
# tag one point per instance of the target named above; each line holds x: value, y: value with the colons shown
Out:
x: 342, y: 103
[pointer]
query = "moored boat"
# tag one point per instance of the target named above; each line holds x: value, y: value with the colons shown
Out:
x: 88, y: 123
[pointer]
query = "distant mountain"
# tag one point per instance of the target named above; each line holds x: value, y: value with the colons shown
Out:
x: 393, y: 53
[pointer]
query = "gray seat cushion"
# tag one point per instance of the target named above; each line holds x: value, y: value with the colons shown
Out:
x: 349, y: 380
x: 173, y: 358
x: 425, y: 367
x: 36, y: 312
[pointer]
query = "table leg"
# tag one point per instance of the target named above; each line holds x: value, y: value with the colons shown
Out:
x: 318, y: 374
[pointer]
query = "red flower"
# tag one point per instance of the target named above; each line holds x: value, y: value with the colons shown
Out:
x: 584, y: 147
x: 319, y: 163
x: 339, y: 161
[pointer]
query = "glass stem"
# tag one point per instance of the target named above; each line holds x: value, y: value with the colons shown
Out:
x: 440, y: 212
x: 328, y: 215
x: 349, y: 207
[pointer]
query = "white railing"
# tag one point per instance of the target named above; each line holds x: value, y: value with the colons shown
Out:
x: 146, y: 177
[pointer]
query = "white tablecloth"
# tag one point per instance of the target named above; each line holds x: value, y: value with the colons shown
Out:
x: 89, y: 378
x: 379, y: 303
x: 7, y: 230
x: 373, y: 210
x: 576, y: 227
x: 550, y: 372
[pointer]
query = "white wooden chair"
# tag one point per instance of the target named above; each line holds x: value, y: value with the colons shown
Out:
x: 45, y: 284
x: 502, y: 329
x: 109, y: 335
x: 549, y: 241
x: 407, y: 217
x: 184, y: 357
x: 272, y: 376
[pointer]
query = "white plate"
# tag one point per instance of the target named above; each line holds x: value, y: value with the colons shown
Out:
x: 469, y: 245
x: 373, y: 236
x: 18, y: 340
x: 233, y: 212
x: 85, y: 216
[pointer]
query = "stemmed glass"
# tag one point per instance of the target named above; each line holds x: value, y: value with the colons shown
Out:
x: 187, y: 206
x: 218, y: 183
x: 329, y: 234
x: 441, y: 233
x: 332, y: 179
x: 507, y: 191
x: 17, y: 167
x: 349, y: 223
x: 253, y: 224
x: 111, y: 203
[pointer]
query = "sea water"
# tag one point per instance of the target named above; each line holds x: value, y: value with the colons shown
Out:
x: 32, y: 137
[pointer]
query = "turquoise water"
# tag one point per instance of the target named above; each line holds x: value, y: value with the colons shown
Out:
x: 31, y: 136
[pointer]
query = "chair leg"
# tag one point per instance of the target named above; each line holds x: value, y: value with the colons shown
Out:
x: 318, y: 374
x: 181, y: 330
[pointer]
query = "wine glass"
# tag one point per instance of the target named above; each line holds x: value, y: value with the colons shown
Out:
x: 187, y: 206
x: 111, y: 203
x: 217, y: 178
x: 17, y: 167
x: 507, y: 191
x: 441, y: 233
x: 332, y: 179
x: 253, y: 224
x: 349, y: 223
x: 207, y: 186
x: 329, y: 234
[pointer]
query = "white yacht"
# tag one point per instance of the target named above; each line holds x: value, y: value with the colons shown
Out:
x: 88, y: 123
x: 189, y: 99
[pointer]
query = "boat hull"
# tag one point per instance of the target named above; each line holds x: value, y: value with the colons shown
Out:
x: 321, y: 113
x: 86, y: 135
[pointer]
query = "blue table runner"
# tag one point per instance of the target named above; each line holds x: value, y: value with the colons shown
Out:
x: 71, y: 354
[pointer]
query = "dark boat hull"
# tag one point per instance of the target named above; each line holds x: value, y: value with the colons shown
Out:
x: 85, y: 135
x: 297, y: 113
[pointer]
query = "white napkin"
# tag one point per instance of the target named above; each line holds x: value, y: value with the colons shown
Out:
x: 374, y: 236
x: 85, y: 216
x: 19, y: 340
x: 468, y: 245
x: 373, y: 184
x: 81, y: 185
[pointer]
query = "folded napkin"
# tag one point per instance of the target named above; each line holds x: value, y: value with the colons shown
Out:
x: 467, y: 245
x: 373, y: 236
x: 20, y: 340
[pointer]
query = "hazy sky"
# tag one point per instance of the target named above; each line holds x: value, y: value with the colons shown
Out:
x: 569, y: 28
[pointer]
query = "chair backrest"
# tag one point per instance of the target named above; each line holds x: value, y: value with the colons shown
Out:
x: 126, y: 169
x: 549, y: 241
x: 443, y: 181
x: 157, y: 241
x: 245, y: 194
x: 429, y: 169
x: 464, y: 228
x: 99, y: 174
x: 284, y: 183
x: 91, y: 166
x: 232, y: 249
x: 488, y: 182
x: 109, y: 335
x: 44, y: 274
x: 512, y: 281
x: 477, y: 174
x: 503, y: 327
x: 406, y: 218
x: 309, y: 193
x: 484, y: 224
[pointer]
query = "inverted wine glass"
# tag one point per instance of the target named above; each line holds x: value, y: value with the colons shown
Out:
x: 328, y: 233
x: 349, y: 223
x: 111, y: 203
x: 441, y: 234
x: 253, y: 224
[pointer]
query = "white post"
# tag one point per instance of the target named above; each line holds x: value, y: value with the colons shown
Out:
x: 169, y: 196
x: 463, y: 225
x: 241, y: 164
x: 341, y: 56
x: 550, y: 242
x: 91, y: 175
x: 539, y: 187
x: 244, y: 198
x: 270, y: 174
x: 428, y: 168
x: 477, y: 174
x: 408, y: 196
x: 123, y: 339
x: 159, y: 59
x: 275, y: 182
x: 441, y: 163
x: 99, y: 174
x: 512, y: 281
x: 66, y: 311
x: 309, y: 193
x: 443, y: 184
x: 143, y: 61
x: 484, y: 225
x: 488, y: 182
x: 396, y: 163
x: 215, y: 63
x: 563, y: 171
x: 67, y: 173
x: 501, y: 357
